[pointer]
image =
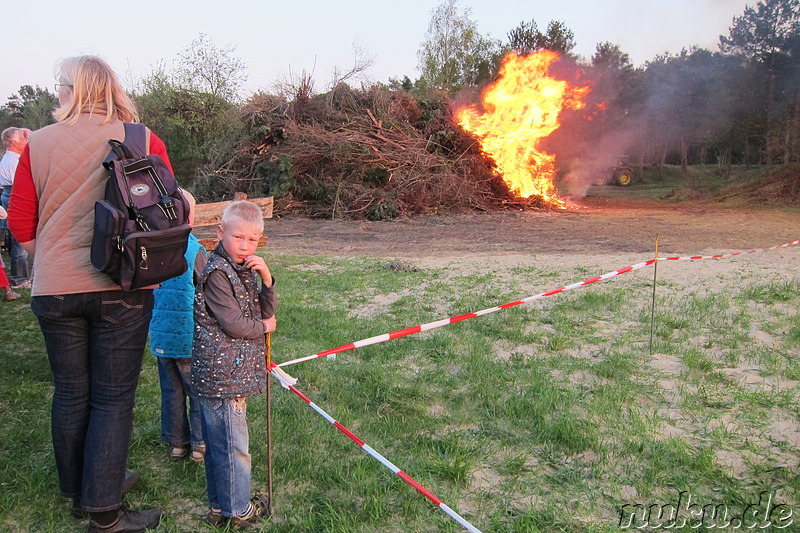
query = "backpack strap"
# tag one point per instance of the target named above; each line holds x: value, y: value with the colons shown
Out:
x: 135, y: 143
x: 136, y: 139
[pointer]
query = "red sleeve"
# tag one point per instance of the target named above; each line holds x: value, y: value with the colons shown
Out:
x: 23, y: 207
x: 157, y: 147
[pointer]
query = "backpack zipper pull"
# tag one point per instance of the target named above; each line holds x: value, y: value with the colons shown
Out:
x: 143, y: 253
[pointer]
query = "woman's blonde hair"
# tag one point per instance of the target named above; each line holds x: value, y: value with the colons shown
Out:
x: 95, y: 90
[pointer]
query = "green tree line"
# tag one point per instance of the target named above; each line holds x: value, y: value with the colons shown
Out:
x: 739, y: 104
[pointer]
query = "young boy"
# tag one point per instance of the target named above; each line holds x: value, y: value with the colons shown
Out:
x: 171, y: 334
x: 232, y: 315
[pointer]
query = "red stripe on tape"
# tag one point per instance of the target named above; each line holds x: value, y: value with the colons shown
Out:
x: 624, y: 270
x: 337, y: 350
x: 404, y: 332
x: 462, y: 317
x: 302, y: 396
x: 422, y: 490
x: 511, y: 304
x: 349, y: 434
x: 588, y: 281
x: 554, y: 291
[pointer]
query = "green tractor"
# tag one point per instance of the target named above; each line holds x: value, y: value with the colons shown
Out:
x: 618, y: 175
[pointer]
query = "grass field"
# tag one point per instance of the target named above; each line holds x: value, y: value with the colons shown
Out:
x: 551, y: 416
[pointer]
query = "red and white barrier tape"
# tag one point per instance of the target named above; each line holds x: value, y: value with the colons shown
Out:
x: 719, y: 256
x: 439, y: 323
x: 288, y: 382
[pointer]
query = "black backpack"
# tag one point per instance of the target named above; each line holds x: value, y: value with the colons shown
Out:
x: 141, y: 228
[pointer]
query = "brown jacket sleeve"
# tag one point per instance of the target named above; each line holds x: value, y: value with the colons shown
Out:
x: 224, y: 307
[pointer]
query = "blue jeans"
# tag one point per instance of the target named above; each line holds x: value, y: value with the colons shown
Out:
x: 178, y: 429
x: 227, y: 457
x: 20, y: 272
x: 95, y: 343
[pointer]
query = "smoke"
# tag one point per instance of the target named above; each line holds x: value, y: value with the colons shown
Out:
x: 676, y: 107
x: 598, y: 162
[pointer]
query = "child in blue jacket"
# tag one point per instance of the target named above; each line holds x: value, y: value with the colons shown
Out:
x: 171, y: 333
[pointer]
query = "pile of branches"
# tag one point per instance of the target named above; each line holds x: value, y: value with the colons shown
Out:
x: 779, y: 186
x: 374, y: 153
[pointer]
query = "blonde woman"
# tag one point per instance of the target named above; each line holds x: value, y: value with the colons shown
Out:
x: 94, y: 332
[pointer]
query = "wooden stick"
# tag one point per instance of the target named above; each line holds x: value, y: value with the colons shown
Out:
x: 653, y: 305
x: 374, y: 120
x: 268, y: 356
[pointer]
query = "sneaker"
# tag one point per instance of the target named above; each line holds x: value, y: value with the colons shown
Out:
x: 260, y: 502
x: 128, y: 522
x: 215, y: 518
x: 178, y: 453
x: 259, y: 509
x: 239, y: 524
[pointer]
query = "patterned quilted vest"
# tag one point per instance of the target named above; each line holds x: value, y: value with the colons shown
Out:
x: 225, y: 366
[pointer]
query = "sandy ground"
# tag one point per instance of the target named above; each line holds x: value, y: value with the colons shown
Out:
x: 605, y: 232
x: 598, y: 226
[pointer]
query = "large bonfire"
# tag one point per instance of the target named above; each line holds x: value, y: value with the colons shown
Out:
x: 518, y: 111
x: 380, y: 152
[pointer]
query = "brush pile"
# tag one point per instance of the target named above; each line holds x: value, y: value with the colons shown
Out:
x: 779, y: 186
x: 374, y: 153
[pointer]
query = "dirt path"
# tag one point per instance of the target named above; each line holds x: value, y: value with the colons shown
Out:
x: 596, y: 226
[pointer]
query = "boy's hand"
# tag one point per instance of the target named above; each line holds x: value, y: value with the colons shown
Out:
x: 257, y: 263
x: 270, y: 323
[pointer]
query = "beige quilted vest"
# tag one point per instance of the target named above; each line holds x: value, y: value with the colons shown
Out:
x: 66, y: 164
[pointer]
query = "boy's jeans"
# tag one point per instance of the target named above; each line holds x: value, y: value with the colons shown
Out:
x: 227, y: 458
x: 95, y: 342
x: 175, y: 377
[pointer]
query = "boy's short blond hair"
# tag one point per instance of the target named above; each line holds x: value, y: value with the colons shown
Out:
x: 243, y: 211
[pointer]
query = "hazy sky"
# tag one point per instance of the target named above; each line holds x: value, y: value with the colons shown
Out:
x: 277, y: 39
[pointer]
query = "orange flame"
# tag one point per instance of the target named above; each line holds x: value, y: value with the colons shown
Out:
x: 522, y: 108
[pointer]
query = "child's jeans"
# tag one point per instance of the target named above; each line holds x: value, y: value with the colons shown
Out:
x: 178, y: 429
x: 227, y: 458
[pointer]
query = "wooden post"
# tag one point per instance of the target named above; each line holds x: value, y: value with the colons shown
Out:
x: 268, y: 355
x: 653, y: 305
